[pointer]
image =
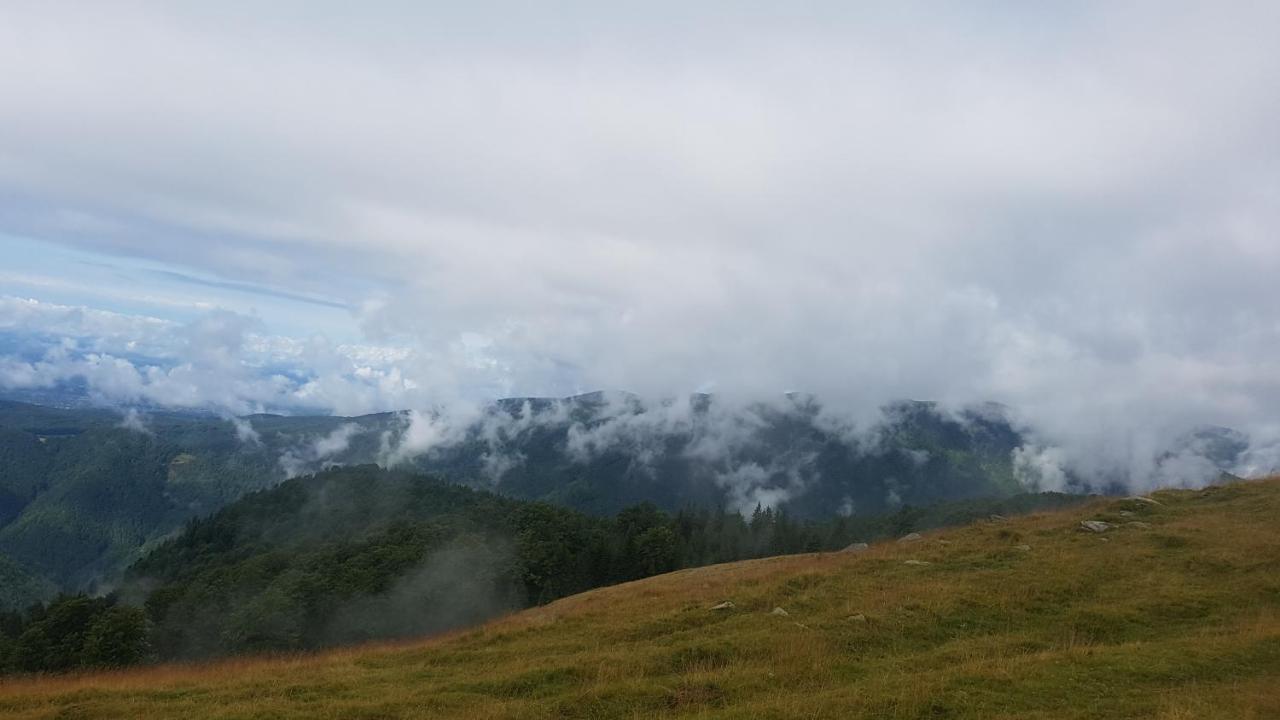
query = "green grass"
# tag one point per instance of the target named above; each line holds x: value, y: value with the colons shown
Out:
x: 1173, y: 621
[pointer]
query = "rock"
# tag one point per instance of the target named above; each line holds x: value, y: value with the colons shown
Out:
x: 1126, y: 513
x: 1096, y: 526
x: 944, y: 542
x: 856, y: 547
x: 1138, y: 524
x: 1023, y: 548
x: 997, y: 518
x: 1105, y: 539
x: 1146, y: 500
x: 909, y: 537
x: 780, y: 612
x: 726, y: 605
x: 859, y: 617
x: 916, y: 562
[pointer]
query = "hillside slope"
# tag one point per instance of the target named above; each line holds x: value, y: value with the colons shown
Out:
x: 1174, y: 616
x: 82, y: 497
x: 361, y: 553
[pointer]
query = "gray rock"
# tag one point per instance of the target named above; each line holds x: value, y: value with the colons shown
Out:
x: 726, y: 605
x: 1146, y: 500
x: 917, y: 562
x: 780, y: 612
x: 909, y: 537
x: 998, y: 518
x: 856, y: 547
x: 1138, y: 525
x: 1096, y: 526
x: 1023, y: 548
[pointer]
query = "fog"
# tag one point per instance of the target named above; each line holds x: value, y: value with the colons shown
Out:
x: 1073, y: 212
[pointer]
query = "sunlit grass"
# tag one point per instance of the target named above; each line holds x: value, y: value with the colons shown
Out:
x: 1177, y: 620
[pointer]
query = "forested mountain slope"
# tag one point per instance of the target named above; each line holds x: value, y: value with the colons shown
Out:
x: 1169, y: 610
x: 84, y: 493
x: 360, y: 553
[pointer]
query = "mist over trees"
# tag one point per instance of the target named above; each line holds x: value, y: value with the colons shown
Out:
x: 83, y: 494
x: 218, y: 537
x: 357, y: 554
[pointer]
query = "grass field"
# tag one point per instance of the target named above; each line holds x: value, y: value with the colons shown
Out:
x: 1177, y: 616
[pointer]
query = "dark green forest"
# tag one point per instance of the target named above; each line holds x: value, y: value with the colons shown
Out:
x: 356, y: 554
x: 82, y: 496
x: 73, y: 632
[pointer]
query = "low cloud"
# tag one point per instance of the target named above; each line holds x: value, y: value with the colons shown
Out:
x: 319, y: 452
x: 1041, y: 469
x: 244, y: 431
x: 464, y: 583
x: 133, y: 420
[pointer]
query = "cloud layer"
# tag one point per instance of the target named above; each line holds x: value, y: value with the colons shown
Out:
x: 1072, y: 211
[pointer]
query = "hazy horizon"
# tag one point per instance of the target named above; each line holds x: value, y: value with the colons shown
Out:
x: 1072, y: 211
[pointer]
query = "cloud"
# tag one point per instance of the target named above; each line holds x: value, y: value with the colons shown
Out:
x: 316, y: 454
x: 1041, y: 469
x: 244, y: 431
x: 219, y: 360
x: 421, y: 432
x: 132, y: 420
x: 1071, y: 211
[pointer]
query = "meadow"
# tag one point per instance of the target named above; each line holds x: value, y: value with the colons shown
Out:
x: 1171, y: 613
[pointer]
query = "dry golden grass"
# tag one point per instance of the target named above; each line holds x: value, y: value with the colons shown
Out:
x: 1177, y: 620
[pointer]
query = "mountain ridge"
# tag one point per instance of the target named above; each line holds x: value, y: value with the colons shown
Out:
x: 86, y: 493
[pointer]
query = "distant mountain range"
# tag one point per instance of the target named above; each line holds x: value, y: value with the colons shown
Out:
x: 84, y: 492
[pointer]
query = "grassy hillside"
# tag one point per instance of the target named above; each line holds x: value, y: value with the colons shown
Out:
x: 360, y: 553
x: 1174, y: 616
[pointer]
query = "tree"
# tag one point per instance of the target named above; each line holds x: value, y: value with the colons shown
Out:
x: 56, y: 641
x: 6, y: 653
x: 31, y: 651
x: 657, y: 550
x: 117, y: 638
x: 904, y: 521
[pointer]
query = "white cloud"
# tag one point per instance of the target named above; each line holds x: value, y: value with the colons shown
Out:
x: 132, y: 420
x: 317, y: 453
x: 425, y: 431
x: 244, y: 431
x: 1041, y: 469
x: 1070, y: 210
x: 219, y: 360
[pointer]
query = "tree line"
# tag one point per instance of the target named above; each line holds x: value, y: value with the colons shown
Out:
x: 357, y: 554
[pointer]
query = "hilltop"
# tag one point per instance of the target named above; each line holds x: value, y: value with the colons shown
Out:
x: 1173, y: 611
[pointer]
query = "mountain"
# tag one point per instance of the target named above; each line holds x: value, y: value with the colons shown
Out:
x: 601, y: 452
x: 361, y: 553
x: 80, y: 496
x: 1172, y: 611
x: 84, y: 493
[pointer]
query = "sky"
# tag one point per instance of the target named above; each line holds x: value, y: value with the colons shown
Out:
x: 1070, y: 209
